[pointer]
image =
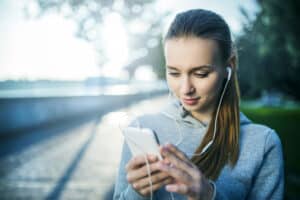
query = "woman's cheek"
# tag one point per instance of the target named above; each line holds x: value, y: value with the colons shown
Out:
x: 205, y: 88
x: 209, y: 85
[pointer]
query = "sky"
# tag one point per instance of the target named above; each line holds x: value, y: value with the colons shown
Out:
x: 47, y: 48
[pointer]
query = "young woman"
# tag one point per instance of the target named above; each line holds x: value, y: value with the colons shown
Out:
x: 214, y: 151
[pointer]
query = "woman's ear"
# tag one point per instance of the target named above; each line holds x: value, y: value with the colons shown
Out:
x: 232, y: 62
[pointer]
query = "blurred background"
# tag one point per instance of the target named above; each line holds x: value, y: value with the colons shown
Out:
x: 71, y: 69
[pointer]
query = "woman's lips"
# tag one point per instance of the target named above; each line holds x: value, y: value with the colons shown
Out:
x: 190, y: 101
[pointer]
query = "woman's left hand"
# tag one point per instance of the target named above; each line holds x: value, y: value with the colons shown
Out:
x: 189, y: 180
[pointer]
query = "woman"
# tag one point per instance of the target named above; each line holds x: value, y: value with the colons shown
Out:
x: 214, y: 150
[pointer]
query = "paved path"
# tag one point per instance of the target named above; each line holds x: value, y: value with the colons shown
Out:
x: 76, y: 161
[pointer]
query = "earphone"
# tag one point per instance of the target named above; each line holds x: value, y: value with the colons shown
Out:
x: 205, y: 148
x: 229, y: 71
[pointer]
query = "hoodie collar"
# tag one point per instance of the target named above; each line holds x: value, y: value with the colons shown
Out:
x: 175, y: 111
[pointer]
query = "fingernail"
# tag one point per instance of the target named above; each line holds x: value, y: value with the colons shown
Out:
x: 168, y: 144
x: 164, y: 152
x: 166, y: 162
x: 171, y: 188
x: 152, y: 158
x: 162, y: 166
x: 165, y: 148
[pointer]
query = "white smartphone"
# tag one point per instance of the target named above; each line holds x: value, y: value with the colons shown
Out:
x: 142, y: 141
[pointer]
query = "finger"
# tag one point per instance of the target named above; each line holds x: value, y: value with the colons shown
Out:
x: 176, y: 161
x: 178, y: 188
x: 136, y: 161
x: 177, y: 152
x: 147, y: 190
x: 177, y: 173
x: 142, y: 172
x: 155, y: 178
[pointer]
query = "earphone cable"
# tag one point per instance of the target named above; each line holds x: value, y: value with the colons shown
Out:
x: 181, y: 139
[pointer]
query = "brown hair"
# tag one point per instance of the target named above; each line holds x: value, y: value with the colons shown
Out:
x: 225, y: 148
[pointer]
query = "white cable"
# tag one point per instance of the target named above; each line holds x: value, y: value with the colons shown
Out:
x: 149, y: 175
x: 215, y: 125
x: 146, y: 160
x: 180, y: 140
x: 147, y: 163
x: 176, y: 122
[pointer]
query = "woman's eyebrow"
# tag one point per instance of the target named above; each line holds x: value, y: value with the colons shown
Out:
x: 173, y: 68
x: 194, y: 68
x: 209, y: 67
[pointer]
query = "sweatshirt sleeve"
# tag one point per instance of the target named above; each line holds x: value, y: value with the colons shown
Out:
x: 269, y: 181
x: 123, y: 189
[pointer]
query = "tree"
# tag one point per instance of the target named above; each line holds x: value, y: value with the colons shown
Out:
x: 90, y: 14
x: 270, y: 50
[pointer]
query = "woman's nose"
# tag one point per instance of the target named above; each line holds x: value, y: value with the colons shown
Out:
x: 187, y: 86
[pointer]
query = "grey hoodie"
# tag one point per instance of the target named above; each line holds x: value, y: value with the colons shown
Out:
x: 258, y: 174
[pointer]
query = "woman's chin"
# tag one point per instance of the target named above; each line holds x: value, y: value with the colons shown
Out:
x: 190, y: 108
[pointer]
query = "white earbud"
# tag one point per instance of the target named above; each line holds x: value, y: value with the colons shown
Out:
x: 229, y: 73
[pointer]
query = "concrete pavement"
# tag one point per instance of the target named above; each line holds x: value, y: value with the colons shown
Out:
x: 79, y: 161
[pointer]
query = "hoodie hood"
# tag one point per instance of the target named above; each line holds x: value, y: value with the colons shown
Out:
x: 175, y: 111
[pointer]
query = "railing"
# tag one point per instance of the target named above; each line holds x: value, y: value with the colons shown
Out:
x: 22, y: 113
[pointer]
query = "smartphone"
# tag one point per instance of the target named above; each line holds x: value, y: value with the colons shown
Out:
x: 142, y: 141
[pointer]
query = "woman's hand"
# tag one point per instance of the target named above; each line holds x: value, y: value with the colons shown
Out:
x: 189, y: 180
x: 137, y: 174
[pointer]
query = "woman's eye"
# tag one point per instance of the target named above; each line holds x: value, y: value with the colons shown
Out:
x: 201, y: 75
x: 173, y: 73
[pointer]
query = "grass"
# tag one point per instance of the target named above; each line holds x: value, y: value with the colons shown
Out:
x: 285, y: 121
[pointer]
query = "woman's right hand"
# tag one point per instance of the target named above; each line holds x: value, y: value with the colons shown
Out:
x: 137, y: 174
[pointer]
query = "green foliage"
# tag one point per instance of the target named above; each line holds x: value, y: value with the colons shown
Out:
x: 270, y: 50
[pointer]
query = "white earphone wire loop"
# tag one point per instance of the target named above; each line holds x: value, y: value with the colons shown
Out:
x: 205, y: 148
x: 181, y: 137
x: 145, y: 157
x: 144, y: 154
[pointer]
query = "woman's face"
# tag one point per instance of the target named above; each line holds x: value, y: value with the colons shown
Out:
x: 194, y: 72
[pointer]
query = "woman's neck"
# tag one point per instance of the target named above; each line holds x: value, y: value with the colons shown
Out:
x: 202, y: 117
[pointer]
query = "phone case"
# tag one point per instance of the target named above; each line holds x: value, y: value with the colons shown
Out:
x: 142, y: 141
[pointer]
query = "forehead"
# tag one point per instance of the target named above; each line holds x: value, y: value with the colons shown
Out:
x: 187, y: 52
